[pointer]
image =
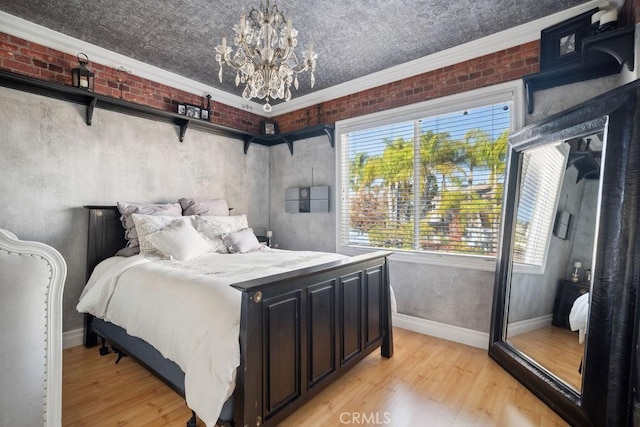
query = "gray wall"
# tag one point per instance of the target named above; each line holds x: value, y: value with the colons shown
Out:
x: 52, y: 164
x: 313, y: 163
x: 460, y: 297
x: 583, y: 234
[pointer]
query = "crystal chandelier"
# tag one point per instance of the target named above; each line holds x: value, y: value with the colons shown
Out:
x: 264, y: 59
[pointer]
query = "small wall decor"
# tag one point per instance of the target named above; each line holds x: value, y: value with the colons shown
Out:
x: 307, y: 199
x: 182, y: 109
x: 561, y: 44
x: 563, y: 224
x: 193, y: 111
x: 269, y: 127
x: 83, y: 77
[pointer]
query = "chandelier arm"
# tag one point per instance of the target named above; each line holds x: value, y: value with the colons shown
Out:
x: 269, y: 65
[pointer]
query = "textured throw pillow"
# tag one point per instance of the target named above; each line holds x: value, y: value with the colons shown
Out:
x: 241, y: 242
x: 127, y: 209
x: 213, y: 227
x: 217, y: 207
x: 179, y: 240
x: 147, y: 224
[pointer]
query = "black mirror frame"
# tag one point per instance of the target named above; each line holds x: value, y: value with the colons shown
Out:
x: 609, y: 370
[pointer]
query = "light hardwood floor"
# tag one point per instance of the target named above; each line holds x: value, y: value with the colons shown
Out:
x: 429, y: 382
x: 556, y: 349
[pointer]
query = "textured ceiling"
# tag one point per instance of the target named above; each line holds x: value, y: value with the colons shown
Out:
x: 352, y: 39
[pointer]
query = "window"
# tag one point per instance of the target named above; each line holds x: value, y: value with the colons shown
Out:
x: 427, y: 179
x: 541, y: 175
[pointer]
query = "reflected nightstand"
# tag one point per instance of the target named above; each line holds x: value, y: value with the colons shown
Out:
x: 566, y: 294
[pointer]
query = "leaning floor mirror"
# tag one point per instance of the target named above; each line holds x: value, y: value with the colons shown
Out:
x: 564, y: 317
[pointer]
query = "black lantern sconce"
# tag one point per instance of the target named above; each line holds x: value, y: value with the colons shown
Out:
x: 82, y: 76
x: 206, y: 113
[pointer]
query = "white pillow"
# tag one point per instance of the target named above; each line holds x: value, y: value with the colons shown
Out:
x: 179, y: 240
x: 147, y: 224
x: 241, y: 242
x: 213, y: 227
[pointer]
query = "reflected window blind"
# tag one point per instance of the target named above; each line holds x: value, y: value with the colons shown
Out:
x: 541, y: 176
x: 431, y: 184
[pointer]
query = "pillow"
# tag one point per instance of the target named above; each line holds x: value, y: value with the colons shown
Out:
x: 179, y: 240
x: 213, y: 227
x: 127, y: 209
x: 216, y: 207
x: 241, y: 242
x: 147, y: 224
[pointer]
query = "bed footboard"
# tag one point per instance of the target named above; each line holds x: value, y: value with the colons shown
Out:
x: 299, y: 332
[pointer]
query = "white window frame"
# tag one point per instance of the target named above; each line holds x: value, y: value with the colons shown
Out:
x: 512, y: 91
x: 543, y: 221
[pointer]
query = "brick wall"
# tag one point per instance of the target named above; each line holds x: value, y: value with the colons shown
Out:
x: 34, y: 60
x: 487, y: 70
x: 23, y: 57
x: 38, y: 61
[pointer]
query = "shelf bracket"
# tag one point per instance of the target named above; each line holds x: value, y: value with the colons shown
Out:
x: 289, y: 144
x: 183, y: 129
x: 248, y: 139
x: 90, y: 107
x: 621, y: 48
x: 329, y: 133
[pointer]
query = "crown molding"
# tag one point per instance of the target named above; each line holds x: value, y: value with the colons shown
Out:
x: 496, y: 42
x: 35, y: 33
x: 499, y: 41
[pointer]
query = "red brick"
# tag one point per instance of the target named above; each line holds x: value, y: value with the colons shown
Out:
x: 56, y: 68
x: 39, y: 63
x: 37, y: 47
x: 18, y: 41
x: 8, y: 47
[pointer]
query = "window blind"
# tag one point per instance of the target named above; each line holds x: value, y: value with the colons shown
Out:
x: 429, y: 184
x: 541, y: 174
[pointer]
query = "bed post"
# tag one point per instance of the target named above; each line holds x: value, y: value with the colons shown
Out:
x: 248, y: 393
x: 104, y: 238
x: 386, y: 349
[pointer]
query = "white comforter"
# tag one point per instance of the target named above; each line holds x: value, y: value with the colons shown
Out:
x: 579, y: 316
x: 187, y: 311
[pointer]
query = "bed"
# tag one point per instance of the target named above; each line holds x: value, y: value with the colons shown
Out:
x: 297, y: 330
x: 579, y: 316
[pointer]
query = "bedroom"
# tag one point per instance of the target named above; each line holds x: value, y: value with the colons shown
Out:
x: 53, y: 164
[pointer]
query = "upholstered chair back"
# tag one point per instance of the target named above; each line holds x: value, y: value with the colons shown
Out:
x: 32, y: 278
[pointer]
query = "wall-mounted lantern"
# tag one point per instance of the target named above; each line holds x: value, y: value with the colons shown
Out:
x: 82, y: 76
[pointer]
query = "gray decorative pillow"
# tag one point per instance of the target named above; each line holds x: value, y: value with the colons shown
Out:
x: 241, y: 242
x: 127, y: 209
x: 213, y: 227
x: 217, y: 207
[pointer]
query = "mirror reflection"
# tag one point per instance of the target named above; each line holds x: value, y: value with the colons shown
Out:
x: 552, y: 257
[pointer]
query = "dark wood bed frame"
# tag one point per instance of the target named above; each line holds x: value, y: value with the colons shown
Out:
x: 299, y: 331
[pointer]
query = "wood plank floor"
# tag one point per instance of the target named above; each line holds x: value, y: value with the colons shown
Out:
x: 556, y: 349
x: 429, y: 382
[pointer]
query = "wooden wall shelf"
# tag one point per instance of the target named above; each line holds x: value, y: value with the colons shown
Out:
x: 602, y: 55
x: 93, y: 100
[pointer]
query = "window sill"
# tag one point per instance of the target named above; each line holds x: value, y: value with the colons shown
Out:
x: 469, y: 262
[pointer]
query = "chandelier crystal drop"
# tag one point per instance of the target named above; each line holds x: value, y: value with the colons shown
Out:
x: 264, y: 59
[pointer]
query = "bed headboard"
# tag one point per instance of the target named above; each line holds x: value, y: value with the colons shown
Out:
x: 106, y: 235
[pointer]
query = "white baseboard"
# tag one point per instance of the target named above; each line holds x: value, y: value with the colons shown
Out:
x: 442, y: 330
x: 428, y: 327
x: 527, y: 325
x: 72, y: 338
